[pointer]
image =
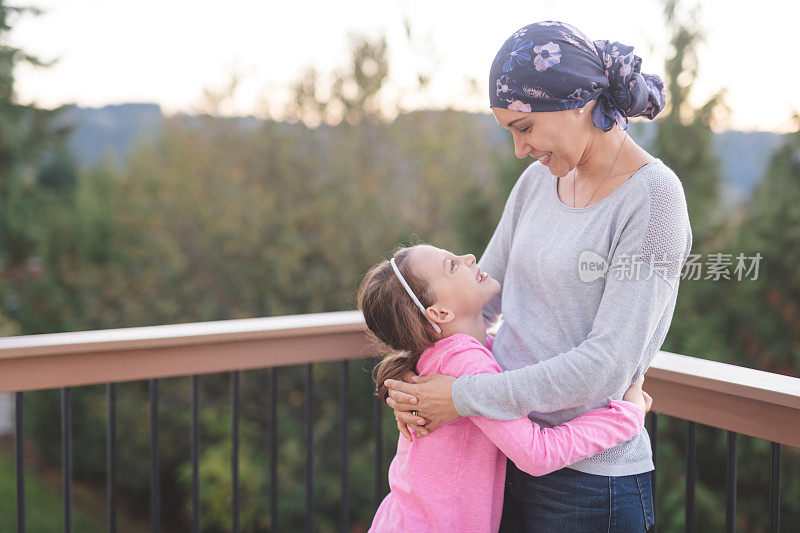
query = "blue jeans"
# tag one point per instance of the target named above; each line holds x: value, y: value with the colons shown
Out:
x: 573, y: 502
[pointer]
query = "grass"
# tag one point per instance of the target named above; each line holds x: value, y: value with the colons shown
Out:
x: 43, y: 504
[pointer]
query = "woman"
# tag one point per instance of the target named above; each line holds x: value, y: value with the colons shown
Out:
x: 588, y: 251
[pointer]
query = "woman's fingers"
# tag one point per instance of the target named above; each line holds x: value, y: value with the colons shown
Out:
x: 406, y: 416
x: 403, y: 429
x: 648, y: 402
x: 430, y: 425
x: 409, y: 376
x: 402, y: 397
x: 400, y: 406
x: 395, y: 385
x: 414, y: 423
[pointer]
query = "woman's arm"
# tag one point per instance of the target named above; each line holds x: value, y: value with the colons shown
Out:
x: 632, y: 314
x: 627, y: 322
x: 632, y: 320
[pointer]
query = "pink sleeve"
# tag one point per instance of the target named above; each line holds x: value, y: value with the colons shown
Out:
x: 539, y: 451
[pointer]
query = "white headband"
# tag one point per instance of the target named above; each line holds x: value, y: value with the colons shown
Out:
x: 413, y: 296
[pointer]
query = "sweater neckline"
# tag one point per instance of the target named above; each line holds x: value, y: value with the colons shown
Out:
x: 447, y: 342
x: 614, y: 192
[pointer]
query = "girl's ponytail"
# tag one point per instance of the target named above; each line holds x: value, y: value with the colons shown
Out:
x: 393, y: 366
x: 399, y: 330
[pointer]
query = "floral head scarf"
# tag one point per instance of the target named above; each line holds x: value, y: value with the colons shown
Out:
x: 552, y: 66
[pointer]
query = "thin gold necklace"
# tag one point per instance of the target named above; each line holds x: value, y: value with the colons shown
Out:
x: 575, y: 170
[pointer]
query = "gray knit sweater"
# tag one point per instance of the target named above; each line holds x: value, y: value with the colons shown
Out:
x: 587, y: 298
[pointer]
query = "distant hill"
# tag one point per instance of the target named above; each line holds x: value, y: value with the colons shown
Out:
x: 111, y: 132
x: 745, y: 156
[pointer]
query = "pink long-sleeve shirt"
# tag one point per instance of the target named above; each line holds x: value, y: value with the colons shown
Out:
x: 453, y: 479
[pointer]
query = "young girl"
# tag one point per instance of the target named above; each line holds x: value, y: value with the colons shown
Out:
x: 424, y: 309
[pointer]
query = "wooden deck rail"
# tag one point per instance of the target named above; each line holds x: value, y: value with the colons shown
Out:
x: 746, y: 401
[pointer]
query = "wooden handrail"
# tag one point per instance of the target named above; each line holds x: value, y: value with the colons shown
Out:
x: 750, y: 402
x: 743, y: 400
x: 33, y: 362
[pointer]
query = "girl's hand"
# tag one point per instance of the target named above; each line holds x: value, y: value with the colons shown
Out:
x: 430, y: 396
x: 636, y: 395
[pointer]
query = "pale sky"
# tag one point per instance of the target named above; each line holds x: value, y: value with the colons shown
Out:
x: 167, y: 51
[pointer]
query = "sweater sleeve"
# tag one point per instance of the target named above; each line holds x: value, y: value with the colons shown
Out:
x: 634, y: 314
x: 537, y: 450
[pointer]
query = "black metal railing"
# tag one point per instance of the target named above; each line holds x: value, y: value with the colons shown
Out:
x: 194, y: 451
x: 111, y: 458
x: 778, y: 409
x: 344, y: 511
x: 155, y: 491
x: 730, y: 479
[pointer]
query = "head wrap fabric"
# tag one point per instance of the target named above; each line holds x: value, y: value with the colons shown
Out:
x: 552, y: 66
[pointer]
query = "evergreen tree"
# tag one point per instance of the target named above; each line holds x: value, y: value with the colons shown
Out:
x: 684, y: 138
x: 26, y: 133
x: 684, y: 142
x: 766, y: 311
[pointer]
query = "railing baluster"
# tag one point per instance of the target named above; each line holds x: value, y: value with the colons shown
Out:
x: 654, y: 473
x: 775, y: 489
x: 344, y: 509
x: 111, y: 458
x: 194, y: 451
x: 377, y: 405
x: 730, y: 498
x: 66, y: 455
x: 273, y: 449
x: 690, y: 475
x: 155, y: 514
x: 19, y: 456
x: 234, y: 382
x: 309, y: 451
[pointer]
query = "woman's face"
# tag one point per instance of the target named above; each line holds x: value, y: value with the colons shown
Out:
x: 558, y: 139
x: 460, y: 286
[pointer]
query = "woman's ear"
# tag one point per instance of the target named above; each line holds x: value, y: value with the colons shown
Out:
x: 439, y: 315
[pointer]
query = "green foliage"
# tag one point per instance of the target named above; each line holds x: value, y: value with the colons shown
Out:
x: 750, y: 322
x: 354, y: 94
x: 43, y: 503
x: 27, y: 133
x: 766, y: 310
x: 684, y: 134
x: 216, y: 221
x: 60, y: 171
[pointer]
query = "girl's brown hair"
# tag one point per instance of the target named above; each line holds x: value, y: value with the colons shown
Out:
x: 398, y: 328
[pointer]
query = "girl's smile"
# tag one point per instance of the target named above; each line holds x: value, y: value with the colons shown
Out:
x: 461, y: 288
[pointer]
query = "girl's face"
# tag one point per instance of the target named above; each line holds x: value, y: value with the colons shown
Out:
x: 556, y: 138
x: 460, y: 287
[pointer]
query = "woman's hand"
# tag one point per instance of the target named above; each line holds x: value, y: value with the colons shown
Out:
x: 430, y: 396
x: 636, y: 395
x: 406, y: 422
